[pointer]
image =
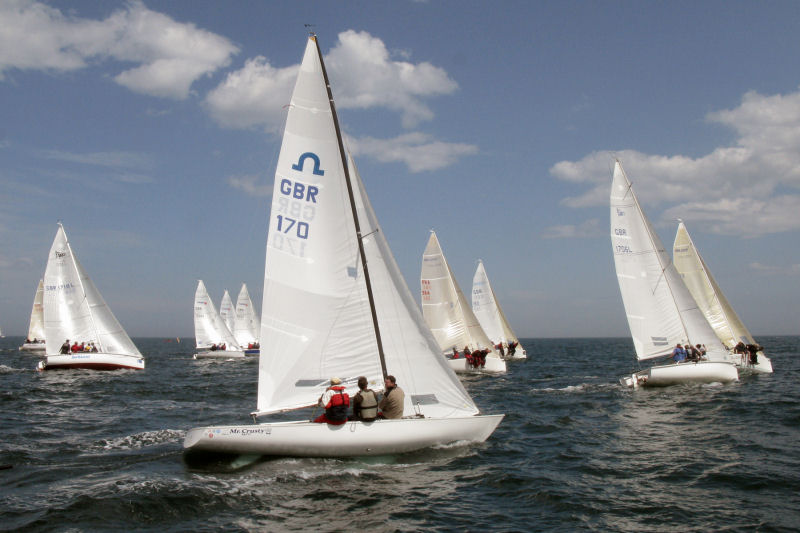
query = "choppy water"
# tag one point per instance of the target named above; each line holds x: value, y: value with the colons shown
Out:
x: 93, y: 451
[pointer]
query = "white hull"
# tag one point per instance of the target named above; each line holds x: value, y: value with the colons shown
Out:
x: 218, y: 354
x: 352, y: 439
x: 742, y: 362
x: 678, y: 373
x: 519, y: 355
x: 92, y: 361
x: 39, y: 348
x: 493, y: 365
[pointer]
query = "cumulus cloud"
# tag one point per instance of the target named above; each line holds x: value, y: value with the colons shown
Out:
x: 589, y: 228
x: 169, y: 56
x: 746, y: 189
x: 252, y: 185
x: 419, y: 151
x: 363, y: 74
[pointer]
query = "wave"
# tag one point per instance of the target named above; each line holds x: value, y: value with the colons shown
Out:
x: 141, y: 440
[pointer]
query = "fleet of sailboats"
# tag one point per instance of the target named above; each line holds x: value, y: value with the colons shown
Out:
x: 491, y: 317
x: 212, y: 337
x: 335, y: 304
x: 715, y: 307
x: 75, y: 312
x: 660, y: 310
x: 35, y: 341
x: 450, y: 317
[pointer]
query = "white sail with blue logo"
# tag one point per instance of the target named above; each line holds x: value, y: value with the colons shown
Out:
x: 661, y: 313
x: 490, y: 315
x: 336, y: 305
x: 712, y: 301
x: 75, y: 311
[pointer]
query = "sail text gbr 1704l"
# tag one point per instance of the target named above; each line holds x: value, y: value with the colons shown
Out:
x: 324, y: 314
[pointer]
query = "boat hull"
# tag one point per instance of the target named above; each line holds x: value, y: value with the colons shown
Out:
x: 352, y: 439
x: 519, y: 355
x: 35, y: 347
x: 91, y: 361
x: 742, y: 362
x: 678, y: 373
x: 219, y: 354
x: 461, y: 366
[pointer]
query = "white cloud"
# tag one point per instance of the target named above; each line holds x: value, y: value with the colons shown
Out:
x: 103, y: 159
x: 745, y: 189
x: 589, y: 228
x: 252, y: 185
x: 769, y: 270
x: 417, y: 150
x: 170, y: 55
x: 363, y: 76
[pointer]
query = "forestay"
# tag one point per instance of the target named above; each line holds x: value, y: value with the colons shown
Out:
x: 74, y: 308
x: 316, y: 319
x: 660, y: 310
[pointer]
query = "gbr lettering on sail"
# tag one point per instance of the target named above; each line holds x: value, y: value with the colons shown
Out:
x: 294, y: 206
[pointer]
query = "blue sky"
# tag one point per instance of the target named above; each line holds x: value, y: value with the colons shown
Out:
x: 151, y: 129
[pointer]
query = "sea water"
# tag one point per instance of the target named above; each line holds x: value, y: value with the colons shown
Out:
x: 99, y: 451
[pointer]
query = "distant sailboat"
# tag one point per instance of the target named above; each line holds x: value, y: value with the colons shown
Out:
x: 449, y: 315
x: 35, y: 339
x: 246, y: 326
x: 712, y: 302
x: 661, y: 313
x: 211, y: 334
x: 227, y: 311
x: 336, y: 304
x: 491, y: 317
x: 74, y: 311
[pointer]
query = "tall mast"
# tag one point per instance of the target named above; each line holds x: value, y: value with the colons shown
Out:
x: 355, y: 212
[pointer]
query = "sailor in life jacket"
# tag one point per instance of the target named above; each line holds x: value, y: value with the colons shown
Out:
x: 336, y: 403
x: 365, y: 402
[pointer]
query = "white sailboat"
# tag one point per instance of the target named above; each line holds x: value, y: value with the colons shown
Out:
x: 246, y: 325
x: 34, y: 342
x: 335, y: 304
x: 491, y: 317
x: 212, y: 336
x: 449, y: 316
x: 74, y: 311
x: 661, y: 313
x: 712, y: 302
x: 227, y: 312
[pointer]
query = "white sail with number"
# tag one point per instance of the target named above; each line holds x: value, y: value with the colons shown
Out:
x: 246, y: 326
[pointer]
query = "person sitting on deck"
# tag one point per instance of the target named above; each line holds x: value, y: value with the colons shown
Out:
x: 336, y: 402
x: 692, y: 353
x: 391, y: 405
x: 64, y: 347
x: 365, y: 402
x: 500, y: 348
x: 455, y: 353
x: 678, y: 354
x: 74, y: 347
x: 752, y: 350
x: 512, y: 348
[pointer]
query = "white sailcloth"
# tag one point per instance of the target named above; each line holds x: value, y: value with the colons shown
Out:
x: 487, y: 309
x: 246, y: 326
x: 227, y: 311
x: 209, y: 329
x: 316, y: 316
x: 707, y: 293
x: 36, y: 327
x: 444, y: 306
x: 659, y: 308
x: 74, y: 308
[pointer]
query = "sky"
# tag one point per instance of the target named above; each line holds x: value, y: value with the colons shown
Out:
x: 151, y: 130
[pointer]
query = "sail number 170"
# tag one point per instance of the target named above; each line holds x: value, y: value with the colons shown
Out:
x: 286, y: 224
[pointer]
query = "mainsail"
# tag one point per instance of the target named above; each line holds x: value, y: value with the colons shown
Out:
x: 659, y: 308
x: 36, y: 327
x: 209, y: 329
x: 487, y: 309
x: 317, y: 321
x: 246, y: 325
x: 74, y: 308
x: 227, y: 311
x: 444, y: 306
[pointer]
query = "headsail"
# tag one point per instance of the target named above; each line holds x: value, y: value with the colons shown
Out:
x: 316, y: 318
x: 709, y: 297
x: 660, y: 310
x: 227, y: 311
x: 487, y: 309
x: 74, y: 308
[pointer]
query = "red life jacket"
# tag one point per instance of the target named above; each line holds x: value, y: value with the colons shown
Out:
x: 336, y: 410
